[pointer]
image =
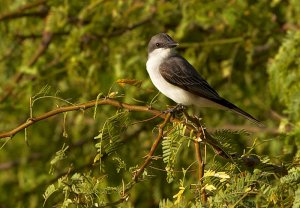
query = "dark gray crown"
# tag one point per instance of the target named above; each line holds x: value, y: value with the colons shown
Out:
x: 161, y: 40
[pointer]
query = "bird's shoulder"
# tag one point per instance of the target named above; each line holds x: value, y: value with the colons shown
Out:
x: 178, y: 64
x: 177, y: 67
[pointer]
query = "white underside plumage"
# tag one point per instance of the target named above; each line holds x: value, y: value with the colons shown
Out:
x: 175, y: 93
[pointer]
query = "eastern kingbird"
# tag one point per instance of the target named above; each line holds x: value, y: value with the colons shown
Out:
x: 177, y: 79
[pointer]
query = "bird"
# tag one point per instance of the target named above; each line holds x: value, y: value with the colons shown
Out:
x: 177, y: 79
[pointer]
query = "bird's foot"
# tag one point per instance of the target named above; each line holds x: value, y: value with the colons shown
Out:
x: 179, y: 108
x: 196, y: 121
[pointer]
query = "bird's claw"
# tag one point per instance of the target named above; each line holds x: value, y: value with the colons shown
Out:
x: 179, y: 108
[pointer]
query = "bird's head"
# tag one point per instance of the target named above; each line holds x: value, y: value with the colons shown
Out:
x: 161, y: 44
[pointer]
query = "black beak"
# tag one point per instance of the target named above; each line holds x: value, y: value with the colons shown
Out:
x: 172, y: 44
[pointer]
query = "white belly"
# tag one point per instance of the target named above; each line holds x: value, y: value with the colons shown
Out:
x: 171, y: 91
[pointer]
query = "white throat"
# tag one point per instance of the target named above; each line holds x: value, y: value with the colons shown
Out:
x: 161, y: 53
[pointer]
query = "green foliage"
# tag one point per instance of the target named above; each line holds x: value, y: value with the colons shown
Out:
x: 227, y: 139
x: 60, y: 155
x: 79, y: 189
x: 110, y: 135
x: 284, y: 73
x: 58, y: 53
x: 171, y: 148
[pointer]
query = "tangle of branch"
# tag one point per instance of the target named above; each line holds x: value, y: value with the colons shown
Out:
x: 153, y: 148
x: 206, y: 138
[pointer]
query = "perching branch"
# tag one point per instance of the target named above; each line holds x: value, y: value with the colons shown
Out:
x: 202, y: 135
x: 82, y: 106
x: 112, y: 102
x: 206, y: 137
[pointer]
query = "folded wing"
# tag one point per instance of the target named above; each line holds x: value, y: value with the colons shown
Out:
x: 177, y: 71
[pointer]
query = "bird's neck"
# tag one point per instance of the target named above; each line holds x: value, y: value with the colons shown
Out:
x: 161, y: 53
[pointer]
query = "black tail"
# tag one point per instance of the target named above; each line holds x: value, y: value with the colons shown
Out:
x: 239, y: 111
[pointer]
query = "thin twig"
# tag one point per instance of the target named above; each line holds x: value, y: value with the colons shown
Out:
x: 199, y: 138
x: 19, y: 12
x: 213, y: 42
x: 146, y: 120
x: 199, y: 157
x: 200, y: 166
x: 46, y: 39
x: 34, y: 36
x: 248, y: 128
x: 153, y: 148
x: 135, y: 179
x: 119, y: 31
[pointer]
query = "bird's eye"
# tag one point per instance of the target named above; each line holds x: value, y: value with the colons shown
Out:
x: 157, y: 44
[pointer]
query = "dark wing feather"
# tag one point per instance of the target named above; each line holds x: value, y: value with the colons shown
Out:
x: 177, y: 71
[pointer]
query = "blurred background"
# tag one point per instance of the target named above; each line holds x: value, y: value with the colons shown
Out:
x: 56, y: 53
